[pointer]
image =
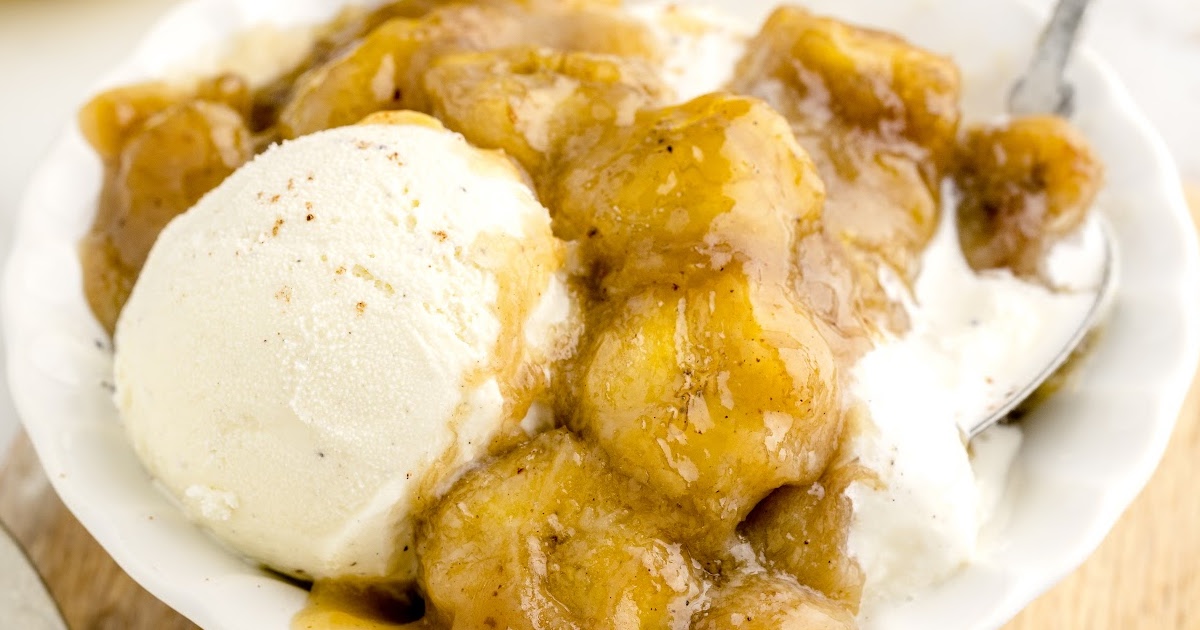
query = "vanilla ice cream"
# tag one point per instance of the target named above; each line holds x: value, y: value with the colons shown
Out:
x: 975, y: 338
x: 319, y: 346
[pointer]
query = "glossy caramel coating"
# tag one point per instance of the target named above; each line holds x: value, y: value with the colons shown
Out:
x: 163, y: 153
x: 869, y: 80
x: 544, y: 538
x: 348, y: 29
x: 530, y: 102
x: 334, y: 39
x: 764, y: 601
x: 1025, y: 184
x: 714, y: 393
x: 385, y: 69
x: 879, y: 116
x: 803, y: 531
x: 112, y: 118
x: 693, y: 185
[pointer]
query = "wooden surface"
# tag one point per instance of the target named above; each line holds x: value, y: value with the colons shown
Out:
x: 1146, y: 575
x: 91, y: 590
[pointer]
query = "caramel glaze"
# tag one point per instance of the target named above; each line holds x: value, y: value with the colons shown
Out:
x: 1026, y: 184
x: 523, y: 268
x: 160, y: 160
x: 350, y: 604
x: 803, y: 530
x: 726, y: 253
x: 163, y: 148
x: 879, y: 118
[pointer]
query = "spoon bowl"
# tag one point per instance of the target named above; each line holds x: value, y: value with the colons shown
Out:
x: 1044, y: 89
x: 1090, y: 319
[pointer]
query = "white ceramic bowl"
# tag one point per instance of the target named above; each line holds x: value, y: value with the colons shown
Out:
x: 1088, y: 451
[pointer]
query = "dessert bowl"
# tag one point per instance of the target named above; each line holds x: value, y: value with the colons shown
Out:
x: 1086, y: 453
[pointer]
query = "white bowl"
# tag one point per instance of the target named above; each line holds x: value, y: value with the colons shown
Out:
x: 1087, y: 453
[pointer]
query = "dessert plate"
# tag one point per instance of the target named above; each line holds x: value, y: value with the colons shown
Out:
x: 1087, y: 453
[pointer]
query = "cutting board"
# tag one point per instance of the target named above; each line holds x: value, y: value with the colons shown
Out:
x: 1146, y: 575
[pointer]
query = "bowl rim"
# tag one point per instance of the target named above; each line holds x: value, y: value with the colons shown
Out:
x: 1122, y: 493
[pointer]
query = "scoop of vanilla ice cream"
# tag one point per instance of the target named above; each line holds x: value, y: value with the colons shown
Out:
x: 323, y: 341
x: 925, y: 519
x: 973, y: 339
x: 922, y: 522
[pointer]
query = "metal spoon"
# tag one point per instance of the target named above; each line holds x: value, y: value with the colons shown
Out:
x: 1043, y: 90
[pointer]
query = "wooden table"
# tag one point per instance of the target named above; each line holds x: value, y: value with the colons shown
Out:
x: 1146, y: 575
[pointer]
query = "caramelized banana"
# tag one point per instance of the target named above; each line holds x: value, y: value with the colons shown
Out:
x: 350, y: 604
x: 879, y: 117
x: 804, y: 530
x: 173, y: 159
x: 844, y: 291
x: 831, y: 71
x: 344, y: 37
x: 385, y: 71
x: 335, y: 39
x: 109, y: 119
x: 615, y: 575
x: 771, y: 602
x: 714, y: 393
x: 112, y: 118
x: 530, y: 101
x: 717, y: 177
x: 541, y: 538
x: 1025, y: 184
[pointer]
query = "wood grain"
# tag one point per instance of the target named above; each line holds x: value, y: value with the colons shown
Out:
x: 91, y: 590
x: 1146, y: 575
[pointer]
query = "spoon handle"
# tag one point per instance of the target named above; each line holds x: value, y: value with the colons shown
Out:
x: 1042, y: 88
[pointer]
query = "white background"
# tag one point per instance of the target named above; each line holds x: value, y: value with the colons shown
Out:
x: 51, y: 51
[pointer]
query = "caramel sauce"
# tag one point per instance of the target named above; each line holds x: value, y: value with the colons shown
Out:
x: 726, y: 253
x: 778, y: 602
x: 518, y: 374
x: 880, y: 118
x: 1026, y: 184
x: 162, y: 151
x: 361, y: 605
x: 537, y: 103
x: 386, y: 69
x: 803, y: 530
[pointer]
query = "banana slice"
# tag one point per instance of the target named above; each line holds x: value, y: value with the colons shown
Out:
x: 692, y: 185
x: 542, y: 538
x: 714, y: 393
